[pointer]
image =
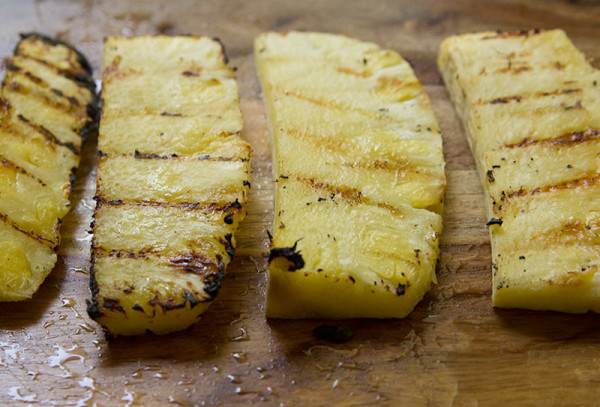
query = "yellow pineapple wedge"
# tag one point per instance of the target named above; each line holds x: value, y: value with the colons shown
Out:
x: 173, y: 176
x: 47, y: 107
x: 530, y: 105
x: 360, y: 178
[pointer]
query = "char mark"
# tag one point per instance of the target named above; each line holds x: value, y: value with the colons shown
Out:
x: 194, y: 263
x: 212, y: 282
x: 583, y: 182
x: 574, y: 137
x: 508, y: 34
x: 10, y: 164
x: 537, y: 95
x: 212, y: 207
x: 48, y: 135
x: 291, y: 254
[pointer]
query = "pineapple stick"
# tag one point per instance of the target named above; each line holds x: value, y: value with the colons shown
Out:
x: 360, y: 178
x: 172, y: 181
x: 47, y: 107
x: 530, y: 105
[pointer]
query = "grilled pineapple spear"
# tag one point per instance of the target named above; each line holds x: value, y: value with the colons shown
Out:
x: 172, y: 181
x: 360, y: 178
x: 530, y: 105
x: 47, y: 106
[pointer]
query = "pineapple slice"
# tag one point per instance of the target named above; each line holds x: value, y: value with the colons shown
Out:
x: 173, y: 176
x: 48, y: 105
x: 530, y: 105
x: 360, y: 178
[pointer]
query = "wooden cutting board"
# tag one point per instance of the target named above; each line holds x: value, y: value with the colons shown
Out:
x: 453, y: 349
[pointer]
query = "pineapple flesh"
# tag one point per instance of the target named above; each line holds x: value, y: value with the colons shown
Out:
x: 530, y: 105
x: 360, y: 178
x: 173, y: 177
x: 47, y: 107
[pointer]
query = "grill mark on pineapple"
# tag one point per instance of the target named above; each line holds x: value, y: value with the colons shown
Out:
x: 66, y: 107
x: 101, y: 252
x: 140, y: 155
x: 41, y: 83
x: 349, y: 194
x: 29, y: 233
x: 17, y: 169
x: 77, y: 75
x: 571, y: 233
x: 47, y: 134
x: 194, y: 263
x: 508, y: 34
x: 401, y: 168
x: 590, y: 180
x: 339, y: 144
x: 74, y: 54
x: 568, y: 139
x: 519, y: 98
x: 6, y: 127
x: 377, y: 116
x: 235, y: 206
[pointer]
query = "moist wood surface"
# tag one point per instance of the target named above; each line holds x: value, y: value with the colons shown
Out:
x: 453, y: 349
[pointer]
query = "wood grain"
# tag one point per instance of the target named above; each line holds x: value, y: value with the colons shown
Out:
x: 454, y: 349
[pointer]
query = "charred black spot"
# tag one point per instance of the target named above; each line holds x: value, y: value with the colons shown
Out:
x: 170, y: 306
x: 171, y: 114
x: 102, y: 154
x: 57, y: 92
x: 11, y: 67
x: 139, y: 155
x: 494, y: 221
x: 191, y: 298
x: 247, y: 184
x: 321, y: 199
x: 490, y: 176
x: 72, y: 100
x: 283, y: 176
x: 505, y: 99
x: 352, y: 279
x: 37, y: 79
x: 81, y: 80
x: 401, y: 290
x: 269, y: 236
x: 193, y: 263
x: 333, y: 333
x: 72, y: 178
x: 137, y: 307
x: 115, y: 202
x: 229, y: 245
x: 228, y: 218
x: 93, y: 309
x: 290, y: 253
x: 112, y: 304
x: 213, y: 282
x: 190, y: 73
